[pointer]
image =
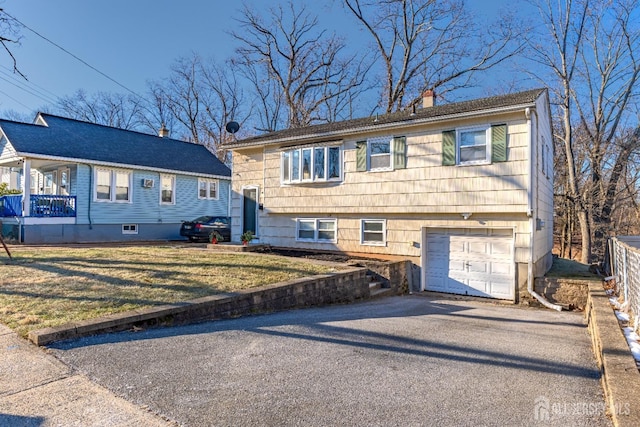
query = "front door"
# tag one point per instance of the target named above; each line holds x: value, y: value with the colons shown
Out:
x: 249, y: 210
x: 63, y: 181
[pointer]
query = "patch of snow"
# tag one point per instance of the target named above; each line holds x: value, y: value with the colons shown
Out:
x: 632, y: 340
x: 622, y: 316
x: 614, y: 302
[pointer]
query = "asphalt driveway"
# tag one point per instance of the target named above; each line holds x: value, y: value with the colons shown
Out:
x: 410, y: 360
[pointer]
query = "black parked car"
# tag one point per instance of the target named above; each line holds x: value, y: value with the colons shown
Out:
x: 200, y: 228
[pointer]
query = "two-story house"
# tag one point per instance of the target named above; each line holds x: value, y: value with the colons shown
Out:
x: 83, y: 182
x: 464, y: 190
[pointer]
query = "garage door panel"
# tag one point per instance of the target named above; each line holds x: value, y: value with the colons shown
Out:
x: 477, y: 267
x: 500, y: 248
x: 502, y: 268
x: 478, y: 248
x: 470, y: 262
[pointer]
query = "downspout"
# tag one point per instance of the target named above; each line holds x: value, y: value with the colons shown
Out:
x: 531, y: 213
x: 90, y: 196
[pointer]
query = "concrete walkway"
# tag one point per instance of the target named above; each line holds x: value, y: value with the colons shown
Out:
x: 409, y: 360
x: 36, y: 389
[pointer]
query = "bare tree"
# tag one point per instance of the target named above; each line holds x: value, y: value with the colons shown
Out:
x: 181, y: 91
x: 590, y: 48
x: 297, y: 70
x: 425, y: 44
x: 9, y: 34
x: 156, y: 113
x: 199, y: 98
x: 222, y: 100
x: 558, y: 49
x: 609, y: 78
x: 110, y: 109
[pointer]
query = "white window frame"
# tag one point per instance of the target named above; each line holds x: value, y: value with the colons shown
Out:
x: 380, y: 139
x: 487, y: 145
x: 373, y: 242
x: 316, y: 229
x: 172, y: 179
x: 129, y: 228
x: 207, y: 183
x: 113, y: 174
x: 287, y: 161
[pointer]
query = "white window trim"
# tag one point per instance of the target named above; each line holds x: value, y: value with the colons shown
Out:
x: 173, y: 189
x: 384, y: 232
x: 209, y: 182
x: 312, y: 178
x: 129, y: 226
x: 316, y: 230
x: 112, y: 182
x: 487, y: 159
x: 388, y: 140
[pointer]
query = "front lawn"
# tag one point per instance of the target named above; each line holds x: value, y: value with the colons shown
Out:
x: 47, y: 287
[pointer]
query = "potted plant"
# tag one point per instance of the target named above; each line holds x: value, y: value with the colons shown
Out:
x: 215, y: 237
x: 246, y: 237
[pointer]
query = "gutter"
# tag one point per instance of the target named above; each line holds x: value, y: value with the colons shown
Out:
x: 122, y: 165
x: 531, y: 215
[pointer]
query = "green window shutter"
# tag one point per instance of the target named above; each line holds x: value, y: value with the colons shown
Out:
x: 361, y: 156
x: 449, y: 148
x: 400, y: 152
x: 499, y: 143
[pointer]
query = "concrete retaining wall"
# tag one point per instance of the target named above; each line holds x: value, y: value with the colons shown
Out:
x: 620, y: 376
x: 341, y: 287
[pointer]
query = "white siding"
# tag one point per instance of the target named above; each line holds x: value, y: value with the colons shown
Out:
x: 6, y: 150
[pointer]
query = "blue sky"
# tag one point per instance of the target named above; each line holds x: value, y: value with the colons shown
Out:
x: 132, y: 41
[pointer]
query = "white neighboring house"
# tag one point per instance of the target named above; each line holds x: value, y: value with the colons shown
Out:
x: 464, y: 190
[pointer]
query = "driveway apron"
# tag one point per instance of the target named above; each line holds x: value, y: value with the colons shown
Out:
x: 409, y: 360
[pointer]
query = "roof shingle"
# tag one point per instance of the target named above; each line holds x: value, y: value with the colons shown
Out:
x: 74, y: 139
x: 343, y: 127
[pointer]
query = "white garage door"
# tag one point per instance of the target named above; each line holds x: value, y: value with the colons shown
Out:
x: 476, y: 262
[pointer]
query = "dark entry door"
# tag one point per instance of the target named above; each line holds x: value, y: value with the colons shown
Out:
x: 249, y: 216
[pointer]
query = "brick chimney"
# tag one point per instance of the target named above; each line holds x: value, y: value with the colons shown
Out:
x: 163, y: 132
x: 428, y: 98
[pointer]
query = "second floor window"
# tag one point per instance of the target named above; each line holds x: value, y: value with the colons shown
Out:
x: 311, y: 164
x: 384, y: 153
x: 474, y: 145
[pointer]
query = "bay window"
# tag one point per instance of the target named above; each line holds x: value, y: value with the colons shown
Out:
x: 311, y: 164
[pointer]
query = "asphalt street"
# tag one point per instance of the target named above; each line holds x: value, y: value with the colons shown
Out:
x: 409, y: 360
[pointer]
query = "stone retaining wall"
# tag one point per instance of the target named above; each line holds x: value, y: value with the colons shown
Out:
x: 341, y: 287
x: 392, y: 274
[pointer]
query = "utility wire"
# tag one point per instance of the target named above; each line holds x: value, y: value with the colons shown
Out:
x: 31, y: 91
x: 13, y: 99
x: 9, y: 73
x: 75, y: 57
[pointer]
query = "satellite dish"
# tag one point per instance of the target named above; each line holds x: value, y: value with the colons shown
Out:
x: 232, y: 127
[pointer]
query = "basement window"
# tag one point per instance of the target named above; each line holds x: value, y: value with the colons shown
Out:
x: 129, y: 228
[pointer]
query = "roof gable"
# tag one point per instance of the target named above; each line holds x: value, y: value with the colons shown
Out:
x: 399, y: 118
x: 84, y: 141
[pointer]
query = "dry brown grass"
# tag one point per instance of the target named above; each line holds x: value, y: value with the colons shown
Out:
x: 52, y: 286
